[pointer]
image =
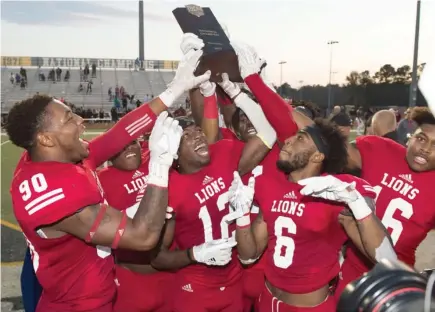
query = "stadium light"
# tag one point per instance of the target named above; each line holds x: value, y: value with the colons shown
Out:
x: 331, y: 43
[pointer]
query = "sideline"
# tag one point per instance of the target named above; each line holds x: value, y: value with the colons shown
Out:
x: 3, y: 143
x: 10, y: 225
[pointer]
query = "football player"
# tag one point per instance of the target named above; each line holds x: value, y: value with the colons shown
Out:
x: 60, y: 206
x: 301, y: 236
x: 121, y: 182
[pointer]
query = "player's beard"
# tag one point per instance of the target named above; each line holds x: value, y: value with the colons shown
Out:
x: 299, y: 161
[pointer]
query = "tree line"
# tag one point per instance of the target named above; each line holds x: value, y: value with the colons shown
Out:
x: 389, y: 86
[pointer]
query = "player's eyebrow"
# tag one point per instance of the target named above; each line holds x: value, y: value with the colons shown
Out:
x: 66, y: 115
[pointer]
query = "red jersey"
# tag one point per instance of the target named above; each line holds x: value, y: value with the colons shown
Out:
x: 267, y: 167
x: 200, y: 203
x: 75, y: 276
x: 304, y: 234
x: 405, y: 201
x: 121, y: 187
x: 227, y: 134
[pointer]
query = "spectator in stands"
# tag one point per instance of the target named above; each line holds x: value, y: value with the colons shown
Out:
x: 58, y: 74
x: 406, y: 127
x: 94, y: 70
x: 41, y: 77
x: 146, y: 98
x: 101, y: 113
x: 109, y: 93
x: 114, y: 114
x: 67, y: 75
x: 23, y: 84
x: 89, y: 88
x: 117, y: 91
x: 80, y: 89
x: 23, y: 72
x: 17, y: 78
x: 122, y: 92
x: 86, y: 72
x: 116, y: 103
x: 12, y: 78
x: 51, y: 75
x: 136, y: 64
x: 138, y: 103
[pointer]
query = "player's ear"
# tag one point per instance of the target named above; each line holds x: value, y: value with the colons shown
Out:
x: 45, y: 139
x: 317, y: 157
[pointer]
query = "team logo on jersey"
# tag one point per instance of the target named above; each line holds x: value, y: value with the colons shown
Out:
x: 207, y: 180
x: 406, y: 177
x: 137, y: 174
x: 290, y: 195
x: 195, y: 10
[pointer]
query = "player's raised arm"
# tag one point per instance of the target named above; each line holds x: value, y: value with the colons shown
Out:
x: 141, y: 120
x: 372, y: 237
x: 257, y: 147
x: 103, y: 225
x: 277, y: 111
x: 251, y: 238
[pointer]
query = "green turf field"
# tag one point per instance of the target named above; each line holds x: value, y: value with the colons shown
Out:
x: 10, y: 155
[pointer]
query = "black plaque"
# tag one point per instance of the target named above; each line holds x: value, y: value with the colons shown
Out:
x: 219, y: 56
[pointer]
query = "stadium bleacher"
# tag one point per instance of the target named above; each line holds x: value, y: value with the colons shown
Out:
x: 140, y: 83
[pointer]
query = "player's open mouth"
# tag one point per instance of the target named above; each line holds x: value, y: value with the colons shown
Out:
x: 129, y: 155
x: 420, y: 160
x: 82, y: 141
x: 201, y: 149
x: 252, y: 131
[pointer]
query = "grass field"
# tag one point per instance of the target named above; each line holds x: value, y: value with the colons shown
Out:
x: 10, y: 154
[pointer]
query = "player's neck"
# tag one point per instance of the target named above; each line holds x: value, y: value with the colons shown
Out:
x: 186, y: 169
x: 45, y: 157
x: 301, y: 174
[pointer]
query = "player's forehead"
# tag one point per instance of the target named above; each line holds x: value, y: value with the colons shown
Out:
x: 58, y: 109
x: 191, y: 129
x: 426, y: 130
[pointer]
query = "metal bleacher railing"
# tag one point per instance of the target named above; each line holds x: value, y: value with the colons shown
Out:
x: 109, y: 73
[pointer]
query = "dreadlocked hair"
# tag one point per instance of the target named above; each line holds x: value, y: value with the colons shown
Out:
x: 26, y: 119
x: 336, y: 160
x: 422, y: 116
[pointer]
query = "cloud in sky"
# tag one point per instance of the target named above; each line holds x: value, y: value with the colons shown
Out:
x: 66, y: 13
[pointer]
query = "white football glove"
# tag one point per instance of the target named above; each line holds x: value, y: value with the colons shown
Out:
x: 207, y: 88
x: 184, y: 79
x: 190, y: 42
x: 249, y: 61
x: 331, y: 188
x: 163, y: 145
x: 230, y: 88
x: 240, y: 197
x: 217, y: 252
x: 427, y: 83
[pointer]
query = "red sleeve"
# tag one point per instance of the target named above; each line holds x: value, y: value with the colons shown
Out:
x: 276, y: 110
x: 50, y: 194
x: 127, y: 129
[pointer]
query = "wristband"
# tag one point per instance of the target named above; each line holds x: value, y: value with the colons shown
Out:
x: 244, y: 221
x: 94, y: 227
x: 360, y: 209
x: 120, y: 231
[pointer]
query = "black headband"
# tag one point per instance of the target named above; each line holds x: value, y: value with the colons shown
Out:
x: 318, y: 139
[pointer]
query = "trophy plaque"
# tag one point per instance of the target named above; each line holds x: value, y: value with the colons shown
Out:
x: 219, y: 56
